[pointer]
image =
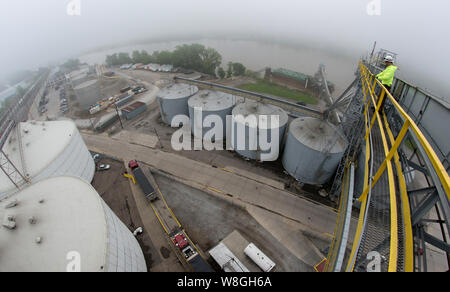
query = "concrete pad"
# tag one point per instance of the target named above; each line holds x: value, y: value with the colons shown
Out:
x: 290, y: 234
x: 137, y: 138
x: 316, y: 216
x: 253, y: 176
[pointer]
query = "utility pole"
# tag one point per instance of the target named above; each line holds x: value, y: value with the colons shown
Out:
x: 117, y: 111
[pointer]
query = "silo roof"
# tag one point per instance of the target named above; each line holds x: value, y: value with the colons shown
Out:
x: 318, y: 135
x: 53, y: 217
x: 177, y: 90
x: 210, y: 100
x: 41, y: 143
x: 251, y: 107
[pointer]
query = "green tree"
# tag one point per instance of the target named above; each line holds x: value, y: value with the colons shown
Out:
x: 72, y: 64
x: 112, y: 60
x: 230, y: 70
x: 124, y: 58
x: 146, y: 58
x: 238, y: 69
x: 164, y: 57
x: 188, y: 56
x: 221, y: 73
x: 137, y: 57
x: 211, y: 59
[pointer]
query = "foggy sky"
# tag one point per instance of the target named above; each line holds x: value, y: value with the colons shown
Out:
x: 37, y: 32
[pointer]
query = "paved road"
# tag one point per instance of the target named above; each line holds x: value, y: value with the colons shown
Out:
x: 318, y: 217
x: 287, y: 211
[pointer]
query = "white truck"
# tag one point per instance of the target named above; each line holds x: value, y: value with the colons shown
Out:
x: 257, y: 256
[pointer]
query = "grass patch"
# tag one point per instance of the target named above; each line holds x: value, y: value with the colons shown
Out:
x: 266, y: 87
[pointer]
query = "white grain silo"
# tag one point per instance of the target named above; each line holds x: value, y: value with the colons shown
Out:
x: 62, y: 224
x: 211, y: 103
x: 173, y: 101
x: 44, y: 149
x: 241, y: 115
x: 313, y: 150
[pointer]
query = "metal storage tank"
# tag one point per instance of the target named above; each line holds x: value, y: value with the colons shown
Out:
x: 251, y: 107
x: 88, y: 91
x: 313, y: 150
x: 62, y: 224
x: 212, y: 103
x: 173, y: 101
x: 45, y: 149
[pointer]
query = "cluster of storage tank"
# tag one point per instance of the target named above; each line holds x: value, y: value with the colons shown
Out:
x: 54, y: 220
x: 312, y: 149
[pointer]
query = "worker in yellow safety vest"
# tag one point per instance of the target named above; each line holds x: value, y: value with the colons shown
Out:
x: 387, y: 76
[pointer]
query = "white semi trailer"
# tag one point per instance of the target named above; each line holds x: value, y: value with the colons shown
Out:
x: 256, y: 255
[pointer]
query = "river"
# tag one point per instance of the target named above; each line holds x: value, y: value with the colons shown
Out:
x: 256, y: 56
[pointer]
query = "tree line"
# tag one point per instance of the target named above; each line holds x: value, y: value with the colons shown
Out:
x: 193, y: 57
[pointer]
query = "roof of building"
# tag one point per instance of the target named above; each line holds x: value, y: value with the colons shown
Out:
x: 52, y: 218
x: 133, y: 106
x: 291, y: 74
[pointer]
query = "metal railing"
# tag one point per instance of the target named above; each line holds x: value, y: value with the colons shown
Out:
x: 398, y: 239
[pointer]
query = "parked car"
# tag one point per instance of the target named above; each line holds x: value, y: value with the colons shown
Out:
x: 104, y: 167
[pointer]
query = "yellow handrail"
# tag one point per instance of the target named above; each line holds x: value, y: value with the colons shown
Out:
x: 369, y: 84
x: 438, y: 167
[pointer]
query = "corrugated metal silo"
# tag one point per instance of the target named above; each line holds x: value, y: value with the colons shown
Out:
x: 211, y: 103
x: 253, y: 108
x: 173, y: 101
x: 313, y: 150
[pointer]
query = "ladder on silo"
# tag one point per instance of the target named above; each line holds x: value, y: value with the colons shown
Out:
x: 6, y: 165
x: 11, y: 170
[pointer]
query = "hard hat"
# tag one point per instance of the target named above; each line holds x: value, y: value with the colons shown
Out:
x: 388, y: 59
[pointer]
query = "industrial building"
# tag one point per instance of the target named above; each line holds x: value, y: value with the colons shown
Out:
x: 39, y: 150
x: 61, y: 224
x: 126, y: 98
x: 296, y: 80
x: 133, y: 110
x: 173, y: 101
x: 211, y: 103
